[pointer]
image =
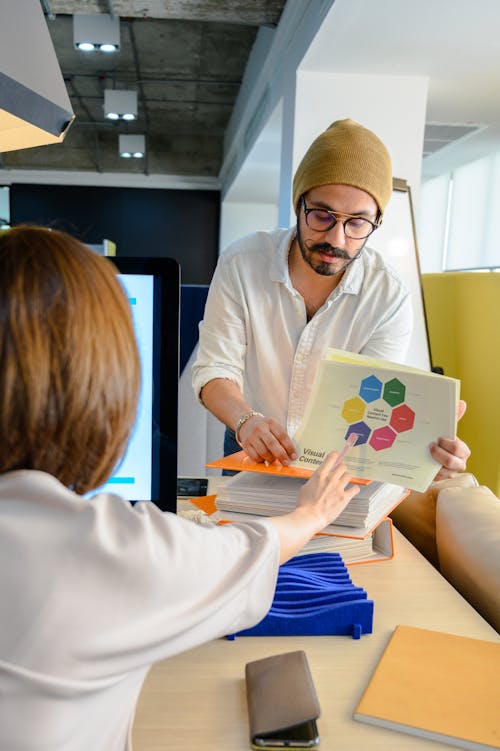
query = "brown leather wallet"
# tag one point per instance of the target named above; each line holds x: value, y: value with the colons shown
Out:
x: 282, y: 702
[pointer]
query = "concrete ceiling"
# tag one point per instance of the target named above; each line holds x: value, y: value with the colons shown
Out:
x: 184, y: 58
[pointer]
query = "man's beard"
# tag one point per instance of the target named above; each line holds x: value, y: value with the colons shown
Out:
x: 322, y: 267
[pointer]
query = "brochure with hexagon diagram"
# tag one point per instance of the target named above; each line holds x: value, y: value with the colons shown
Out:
x: 395, y: 411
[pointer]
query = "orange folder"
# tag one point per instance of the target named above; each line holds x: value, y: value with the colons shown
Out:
x: 240, y: 461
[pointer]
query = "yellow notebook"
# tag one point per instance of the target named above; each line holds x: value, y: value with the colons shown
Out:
x: 437, y: 686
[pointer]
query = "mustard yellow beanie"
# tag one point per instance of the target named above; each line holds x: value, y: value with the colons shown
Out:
x: 346, y: 154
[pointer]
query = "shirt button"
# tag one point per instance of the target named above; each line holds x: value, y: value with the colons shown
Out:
x: 295, y: 394
x: 301, y: 358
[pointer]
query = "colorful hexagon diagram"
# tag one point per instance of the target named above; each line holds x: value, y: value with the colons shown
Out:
x: 353, y: 409
x: 370, y: 389
x: 382, y: 438
x: 394, y: 392
x: 368, y: 415
x: 402, y: 418
x: 362, y: 431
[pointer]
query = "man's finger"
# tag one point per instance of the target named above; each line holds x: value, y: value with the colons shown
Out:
x: 462, y: 406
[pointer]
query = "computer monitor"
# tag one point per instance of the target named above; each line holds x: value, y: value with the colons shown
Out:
x: 149, y: 469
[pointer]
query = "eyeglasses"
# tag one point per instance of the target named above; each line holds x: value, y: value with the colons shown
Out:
x: 322, y: 220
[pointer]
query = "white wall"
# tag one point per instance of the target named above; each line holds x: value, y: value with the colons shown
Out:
x: 392, y: 106
x: 240, y: 219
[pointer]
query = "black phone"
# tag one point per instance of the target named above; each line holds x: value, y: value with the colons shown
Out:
x: 190, y: 487
x: 299, y: 736
x: 282, y: 702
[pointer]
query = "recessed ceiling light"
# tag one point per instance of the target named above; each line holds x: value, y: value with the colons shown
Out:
x: 131, y: 146
x: 97, y: 31
x: 120, y: 103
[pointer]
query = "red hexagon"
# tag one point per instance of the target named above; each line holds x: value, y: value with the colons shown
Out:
x: 402, y: 418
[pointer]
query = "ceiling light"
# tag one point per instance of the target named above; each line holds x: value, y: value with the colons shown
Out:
x: 35, y: 109
x: 131, y: 147
x: 120, y: 104
x: 108, y: 48
x: 96, y: 32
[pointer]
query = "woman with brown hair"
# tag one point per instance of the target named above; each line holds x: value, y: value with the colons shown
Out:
x: 94, y: 591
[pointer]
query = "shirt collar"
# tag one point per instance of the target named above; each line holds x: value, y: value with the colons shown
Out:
x: 352, y: 280
x: 278, y: 271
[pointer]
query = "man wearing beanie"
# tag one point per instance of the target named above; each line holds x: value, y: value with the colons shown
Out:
x: 279, y: 299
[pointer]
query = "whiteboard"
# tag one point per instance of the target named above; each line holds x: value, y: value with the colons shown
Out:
x: 396, y: 241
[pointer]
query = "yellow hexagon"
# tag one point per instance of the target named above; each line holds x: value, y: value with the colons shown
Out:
x: 353, y: 409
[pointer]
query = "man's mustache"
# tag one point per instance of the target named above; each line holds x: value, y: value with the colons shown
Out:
x: 329, y: 250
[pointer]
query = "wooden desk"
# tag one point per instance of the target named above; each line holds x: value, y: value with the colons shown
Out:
x: 196, y: 700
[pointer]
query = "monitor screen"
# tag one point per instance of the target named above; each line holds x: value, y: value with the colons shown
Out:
x: 148, y: 471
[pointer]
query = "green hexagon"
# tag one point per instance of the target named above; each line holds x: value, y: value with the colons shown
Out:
x: 394, y: 392
x: 353, y: 409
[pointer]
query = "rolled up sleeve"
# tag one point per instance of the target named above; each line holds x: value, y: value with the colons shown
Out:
x: 222, y: 343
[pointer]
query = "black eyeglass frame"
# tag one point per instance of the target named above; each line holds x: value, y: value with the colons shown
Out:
x: 335, y: 219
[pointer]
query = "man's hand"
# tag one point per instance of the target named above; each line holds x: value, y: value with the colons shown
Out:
x: 452, y: 454
x: 265, y: 440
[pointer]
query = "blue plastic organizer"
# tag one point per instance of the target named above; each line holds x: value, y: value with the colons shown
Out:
x: 315, y: 596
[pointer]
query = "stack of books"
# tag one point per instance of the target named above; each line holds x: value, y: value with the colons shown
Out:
x: 361, y: 533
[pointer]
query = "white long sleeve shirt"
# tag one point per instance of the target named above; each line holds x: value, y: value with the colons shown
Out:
x: 94, y: 591
x: 255, y: 329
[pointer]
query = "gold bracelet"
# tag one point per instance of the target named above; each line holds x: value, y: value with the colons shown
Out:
x: 243, y: 419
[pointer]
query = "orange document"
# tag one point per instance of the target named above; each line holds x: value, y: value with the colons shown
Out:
x: 205, y: 503
x: 437, y: 686
x: 240, y: 461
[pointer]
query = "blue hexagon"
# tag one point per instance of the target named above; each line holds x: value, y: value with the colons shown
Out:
x: 370, y: 389
x: 361, y: 429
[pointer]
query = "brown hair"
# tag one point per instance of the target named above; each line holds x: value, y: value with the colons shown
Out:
x: 69, y: 364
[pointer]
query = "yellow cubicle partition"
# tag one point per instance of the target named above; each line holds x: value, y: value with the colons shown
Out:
x: 463, y: 317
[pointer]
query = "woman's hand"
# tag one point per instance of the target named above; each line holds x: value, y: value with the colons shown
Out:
x: 320, y: 501
x: 326, y: 493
